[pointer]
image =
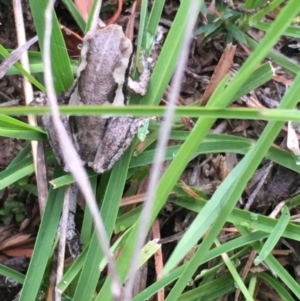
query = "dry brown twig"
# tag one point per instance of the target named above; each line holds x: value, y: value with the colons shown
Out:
x: 37, y: 147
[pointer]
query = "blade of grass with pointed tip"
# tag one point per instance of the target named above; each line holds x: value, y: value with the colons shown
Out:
x: 21, y: 70
x: 274, y: 237
x: 211, y: 254
x: 275, y: 266
x: 238, y: 281
x: 75, y: 13
x: 17, y: 124
x: 258, y: 222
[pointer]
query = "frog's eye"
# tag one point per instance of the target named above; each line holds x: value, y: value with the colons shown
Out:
x: 79, y: 46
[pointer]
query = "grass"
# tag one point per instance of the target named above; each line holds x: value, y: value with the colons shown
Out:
x: 81, y: 279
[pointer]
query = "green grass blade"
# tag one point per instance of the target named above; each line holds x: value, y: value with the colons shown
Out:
x: 211, y: 254
x: 258, y: 222
x: 242, y: 172
x: 154, y: 17
x: 75, y: 13
x: 280, y: 59
x: 166, y: 62
x: 19, y: 170
x: 87, y: 223
x: 281, y: 290
x: 22, y: 155
x: 259, y: 77
x: 211, y: 290
x: 235, y: 275
x: 43, y: 245
x: 20, y: 70
x: 21, y: 134
x: 72, y: 272
x: 61, y: 66
x: 10, y: 273
x: 274, y: 236
x: 169, y: 179
x: 262, y: 145
x: 259, y: 15
x: 225, y: 198
x: 109, y: 211
x: 6, y: 121
x: 191, y: 111
x: 275, y: 266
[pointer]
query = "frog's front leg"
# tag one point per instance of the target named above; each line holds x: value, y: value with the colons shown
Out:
x: 140, y: 86
x: 119, y: 134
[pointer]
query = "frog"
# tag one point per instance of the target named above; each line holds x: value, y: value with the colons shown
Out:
x: 102, y: 78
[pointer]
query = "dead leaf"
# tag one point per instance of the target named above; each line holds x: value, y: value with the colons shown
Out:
x: 221, y: 70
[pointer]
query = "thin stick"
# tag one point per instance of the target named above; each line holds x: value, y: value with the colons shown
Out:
x: 62, y: 241
x: 37, y: 148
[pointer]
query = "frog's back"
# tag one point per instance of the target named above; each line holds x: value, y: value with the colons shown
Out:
x: 104, y: 61
x: 101, y: 74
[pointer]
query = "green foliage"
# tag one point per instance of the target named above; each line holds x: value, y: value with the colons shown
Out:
x: 12, y: 208
x: 227, y: 23
x: 81, y: 280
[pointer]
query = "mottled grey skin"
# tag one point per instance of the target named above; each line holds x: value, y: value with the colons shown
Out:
x: 53, y: 138
x: 101, y: 140
x: 116, y: 139
x: 105, y: 52
x: 105, y: 56
x: 47, y: 123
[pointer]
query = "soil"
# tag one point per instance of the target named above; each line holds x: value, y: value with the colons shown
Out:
x: 205, y: 172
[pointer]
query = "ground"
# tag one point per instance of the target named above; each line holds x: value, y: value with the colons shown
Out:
x: 270, y: 185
